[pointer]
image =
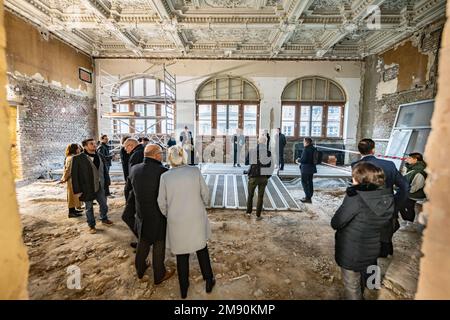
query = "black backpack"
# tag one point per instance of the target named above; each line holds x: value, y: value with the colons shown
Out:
x: 317, y: 157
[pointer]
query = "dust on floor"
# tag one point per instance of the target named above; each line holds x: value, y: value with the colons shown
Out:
x: 287, y: 255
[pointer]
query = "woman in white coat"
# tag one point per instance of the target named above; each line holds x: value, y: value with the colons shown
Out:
x: 183, y: 195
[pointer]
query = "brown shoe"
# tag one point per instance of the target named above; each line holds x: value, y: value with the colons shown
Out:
x: 92, y: 230
x: 169, y: 273
x: 107, y: 222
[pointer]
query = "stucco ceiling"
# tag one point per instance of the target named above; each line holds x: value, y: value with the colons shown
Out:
x: 241, y: 29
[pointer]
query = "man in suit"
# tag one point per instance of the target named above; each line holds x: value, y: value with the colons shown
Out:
x: 136, y: 153
x: 187, y: 142
x: 280, y: 143
x: 124, y: 157
x: 88, y: 182
x: 258, y: 174
x: 307, y: 169
x: 393, y: 177
x: 143, y: 185
x: 238, y: 143
x: 103, y: 151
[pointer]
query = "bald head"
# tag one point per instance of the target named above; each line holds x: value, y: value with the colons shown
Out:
x: 153, y: 151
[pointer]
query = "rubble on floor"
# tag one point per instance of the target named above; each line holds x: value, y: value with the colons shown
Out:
x: 287, y: 255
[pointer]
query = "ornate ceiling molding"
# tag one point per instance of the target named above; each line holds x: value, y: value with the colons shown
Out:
x: 277, y: 29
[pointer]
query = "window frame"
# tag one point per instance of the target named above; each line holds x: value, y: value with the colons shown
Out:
x: 131, y: 105
x: 240, y: 104
x: 325, y: 105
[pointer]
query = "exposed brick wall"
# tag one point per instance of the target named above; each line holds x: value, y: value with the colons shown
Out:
x: 49, y: 119
x: 378, y: 112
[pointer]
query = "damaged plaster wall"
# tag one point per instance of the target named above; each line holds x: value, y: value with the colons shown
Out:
x: 13, y: 254
x: 54, y: 107
x: 404, y: 74
x: 434, y: 279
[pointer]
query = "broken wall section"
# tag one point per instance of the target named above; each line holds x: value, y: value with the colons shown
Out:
x: 54, y: 107
x: 404, y: 74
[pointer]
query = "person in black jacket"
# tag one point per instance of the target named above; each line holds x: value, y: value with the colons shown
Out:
x: 143, y: 185
x: 280, y: 143
x: 238, y: 140
x: 103, y: 151
x: 172, y: 141
x: 367, y: 207
x: 88, y: 181
x: 136, y: 152
x: 392, y: 178
x: 260, y: 171
x: 307, y: 169
x: 124, y: 157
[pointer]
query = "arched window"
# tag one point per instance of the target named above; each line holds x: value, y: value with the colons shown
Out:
x: 225, y: 104
x: 313, y: 106
x: 140, y: 95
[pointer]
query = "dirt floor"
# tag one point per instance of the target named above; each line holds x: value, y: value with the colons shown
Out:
x: 287, y: 255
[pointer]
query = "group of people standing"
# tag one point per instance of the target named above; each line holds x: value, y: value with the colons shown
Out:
x: 368, y: 217
x: 166, y: 204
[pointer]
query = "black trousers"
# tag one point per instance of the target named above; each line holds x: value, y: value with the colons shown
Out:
x: 235, y: 155
x: 307, y: 184
x: 183, y: 267
x: 158, y: 256
x: 281, y: 159
x: 408, y: 212
x: 128, y: 216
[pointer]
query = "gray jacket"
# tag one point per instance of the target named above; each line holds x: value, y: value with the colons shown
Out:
x: 183, y: 195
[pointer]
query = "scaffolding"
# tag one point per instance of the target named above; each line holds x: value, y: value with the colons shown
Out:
x: 110, y: 98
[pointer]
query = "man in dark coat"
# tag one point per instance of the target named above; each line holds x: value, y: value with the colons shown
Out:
x: 307, y: 169
x: 260, y: 171
x: 103, y: 151
x: 88, y: 181
x: 280, y: 143
x: 187, y: 142
x: 136, y: 152
x: 366, y: 209
x: 143, y: 184
x: 392, y: 178
x: 124, y: 158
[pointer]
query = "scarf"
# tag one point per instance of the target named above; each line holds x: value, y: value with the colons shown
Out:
x: 95, y: 158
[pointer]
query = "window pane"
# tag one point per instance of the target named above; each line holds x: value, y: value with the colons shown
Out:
x: 334, y: 121
x: 204, y: 119
x: 151, y: 110
x: 250, y: 120
x: 334, y: 114
x: 317, y: 113
x: 233, y: 117
x: 123, y: 126
x: 316, y: 129
x: 124, y: 90
x: 138, y: 87
x: 139, y: 126
x: 304, y: 128
x: 162, y: 88
x: 288, y: 128
x: 151, y: 126
x: 333, y: 129
x: 305, y: 114
x: 140, y: 108
x: 287, y: 120
x: 221, y: 119
x: 150, y: 87
x: 123, y: 108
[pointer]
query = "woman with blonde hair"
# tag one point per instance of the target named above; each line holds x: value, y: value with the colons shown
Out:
x: 73, y: 202
x: 183, y: 196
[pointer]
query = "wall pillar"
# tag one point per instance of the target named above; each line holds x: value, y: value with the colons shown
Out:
x: 434, y: 279
x: 13, y: 255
